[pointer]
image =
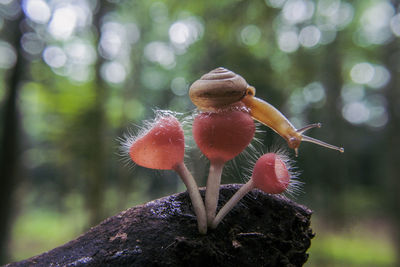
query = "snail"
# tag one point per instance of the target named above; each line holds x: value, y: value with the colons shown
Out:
x: 221, y: 88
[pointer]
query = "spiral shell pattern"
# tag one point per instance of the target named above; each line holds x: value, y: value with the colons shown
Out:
x: 217, y: 89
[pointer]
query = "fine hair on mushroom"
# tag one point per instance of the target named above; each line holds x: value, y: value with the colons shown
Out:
x: 161, y: 146
x: 272, y: 174
x: 221, y: 135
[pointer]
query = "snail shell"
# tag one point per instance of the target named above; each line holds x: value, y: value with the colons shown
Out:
x: 217, y: 89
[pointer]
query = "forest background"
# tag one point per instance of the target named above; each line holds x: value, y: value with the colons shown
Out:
x: 78, y: 74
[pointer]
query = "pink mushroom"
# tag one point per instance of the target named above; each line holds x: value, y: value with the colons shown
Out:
x: 221, y: 136
x: 270, y: 174
x: 162, y: 147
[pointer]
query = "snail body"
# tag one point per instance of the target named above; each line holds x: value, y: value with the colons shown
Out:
x: 222, y: 88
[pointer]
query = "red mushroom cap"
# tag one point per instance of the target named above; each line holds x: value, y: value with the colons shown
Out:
x: 270, y: 174
x: 221, y: 136
x: 162, y: 147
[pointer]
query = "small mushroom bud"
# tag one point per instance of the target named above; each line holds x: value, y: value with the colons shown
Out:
x: 270, y: 174
x: 162, y: 147
x: 221, y: 136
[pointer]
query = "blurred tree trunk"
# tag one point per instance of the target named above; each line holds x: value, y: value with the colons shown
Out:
x: 325, y: 67
x: 391, y: 58
x: 10, y: 143
x: 332, y: 80
x: 96, y: 173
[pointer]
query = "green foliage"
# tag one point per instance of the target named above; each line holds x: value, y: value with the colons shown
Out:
x: 354, y: 245
x: 38, y: 230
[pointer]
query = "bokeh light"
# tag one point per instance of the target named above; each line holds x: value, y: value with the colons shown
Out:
x: 375, y: 76
x: 334, y: 14
x: 179, y: 86
x: 113, y: 72
x: 80, y: 52
x: 10, y: 9
x: 375, y: 23
x: 362, y: 73
x: 183, y: 33
x: 395, y: 24
x: 288, y: 41
x: 352, y: 93
x: 179, y: 33
x: 161, y: 53
x: 250, y: 35
x: 77, y: 73
x: 356, y: 112
x: 362, y: 108
x: 297, y: 103
x: 112, y: 38
x: 37, y: 10
x: 8, y: 56
x: 381, y: 77
x: 32, y: 43
x: 309, y: 36
x: 116, y: 39
x: 378, y: 116
x: 54, y: 56
x: 63, y: 22
x: 314, y: 92
x: 297, y: 11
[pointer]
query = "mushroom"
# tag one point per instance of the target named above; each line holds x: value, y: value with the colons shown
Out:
x: 162, y: 147
x: 221, y: 136
x: 271, y: 174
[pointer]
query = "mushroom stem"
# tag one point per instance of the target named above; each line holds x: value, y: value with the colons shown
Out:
x: 194, y: 195
x: 212, y: 191
x: 247, y: 187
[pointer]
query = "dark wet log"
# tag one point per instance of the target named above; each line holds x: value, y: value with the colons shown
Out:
x: 262, y: 230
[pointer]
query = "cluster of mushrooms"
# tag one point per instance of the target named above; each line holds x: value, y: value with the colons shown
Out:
x: 222, y: 129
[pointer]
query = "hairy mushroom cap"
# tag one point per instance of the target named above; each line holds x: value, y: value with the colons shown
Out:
x: 270, y: 174
x: 162, y: 147
x: 222, y: 135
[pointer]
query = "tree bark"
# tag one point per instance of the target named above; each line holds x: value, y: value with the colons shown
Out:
x: 391, y: 56
x: 262, y: 230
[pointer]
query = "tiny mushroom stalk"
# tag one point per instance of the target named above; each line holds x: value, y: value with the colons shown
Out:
x: 221, y: 136
x: 270, y: 174
x: 162, y: 147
